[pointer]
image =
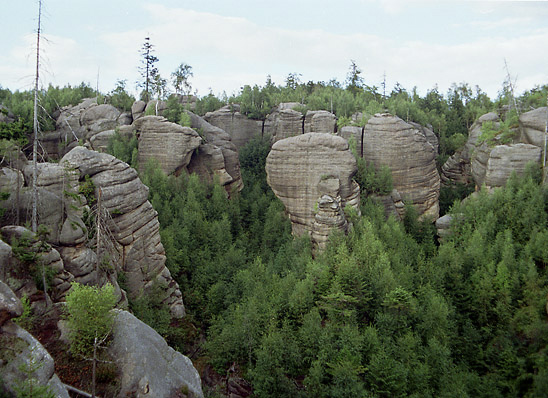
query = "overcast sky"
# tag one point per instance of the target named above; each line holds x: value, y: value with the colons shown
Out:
x: 232, y: 43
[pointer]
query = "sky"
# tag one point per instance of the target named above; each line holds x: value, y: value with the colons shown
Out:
x: 423, y: 44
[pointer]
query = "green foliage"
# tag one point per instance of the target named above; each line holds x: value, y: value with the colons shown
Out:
x: 26, y: 319
x: 371, y: 180
x: 120, y: 98
x: 89, y: 316
x: 87, y: 189
x: 500, y: 133
x: 124, y: 148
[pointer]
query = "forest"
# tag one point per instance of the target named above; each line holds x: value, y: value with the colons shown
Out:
x: 386, y: 311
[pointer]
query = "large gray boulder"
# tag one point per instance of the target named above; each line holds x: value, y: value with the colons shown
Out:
x: 505, y: 159
x: 149, y: 367
x: 302, y: 169
x: 389, y: 141
x: 240, y: 128
x: 23, y: 360
x: 320, y: 122
x: 354, y: 133
x: 284, y: 121
x: 10, y: 305
x: 168, y: 143
x: 133, y: 224
x: 533, y: 125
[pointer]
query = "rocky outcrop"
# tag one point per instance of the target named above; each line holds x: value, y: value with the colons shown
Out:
x: 284, y: 122
x: 389, y: 141
x: 238, y: 126
x: 99, y: 142
x: 23, y: 360
x: 148, y: 366
x: 138, y: 109
x: 218, y: 140
x: 443, y: 226
x: 170, y: 144
x: 532, y: 125
x: 302, y: 169
x: 330, y: 216
x: 458, y: 168
x: 320, y: 122
x: 505, y: 159
x: 392, y: 203
x: 81, y: 123
x: 133, y: 224
x: 430, y: 136
x: 355, y: 133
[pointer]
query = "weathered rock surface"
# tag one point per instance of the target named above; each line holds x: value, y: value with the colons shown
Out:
x: 81, y: 123
x: 389, y: 141
x: 138, y: 109
x: 169, y: 143
x: 218, y: 138
x: 155, y: 107
x: 443, y: 226
x: 10, y: 305
x: 532, y: 125
x: 458, y: 168
x: 301, y: 169
x: 505, y: 159
x: 238, y: 126
x: 355, y: 133
x: 22, y: 357
x: 134, y: 223
x: 149, y: 367
x: 99, y: 142
x: 284, y: 122
x: 430, y: 136
x: 320, y: 122
x: 392, y: 203
x: 330, y: 217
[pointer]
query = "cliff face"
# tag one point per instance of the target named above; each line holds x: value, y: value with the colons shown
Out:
x: 407, y: 151
x: 131, y: 228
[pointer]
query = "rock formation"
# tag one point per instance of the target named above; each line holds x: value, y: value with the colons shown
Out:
x: 219, y: 143
x: 168, y: 143
x: 390, y: 141
x: 22, y: 357
x: 133, y: 223
x: 458, y: 168
x: 309, y: 168
x: 532, y: 125
x: 320, y: 122
x: 238, y: 126
x: 284, y: 122
x: 355, y: 133
x: 148, y: 366
x: 330, y: 216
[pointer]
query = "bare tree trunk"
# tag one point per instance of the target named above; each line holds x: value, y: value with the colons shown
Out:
x: 98, y: 236
x: 95, y: 343
x: 35, y: 143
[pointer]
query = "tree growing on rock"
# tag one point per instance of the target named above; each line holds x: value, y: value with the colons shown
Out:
x: 89, y: 320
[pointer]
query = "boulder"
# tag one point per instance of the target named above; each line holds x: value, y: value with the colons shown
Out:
x: 99, y: 142
x: 209, y: 164
x: 320, y: 122
x: 301, y: 169
x: 220, y: 139
x: 10, y: 305
x: 532, y: 125
x: 284, y: 122
x: 443, y: 226
x: 23, y: 359
x: 168, y: 143
x: 132, y: 222
x: 389, y: 141
x: 392, y: 203
x: 238, y: 126
x: 505, y: 159
x: 138, y: 109
x: 149, y: 367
